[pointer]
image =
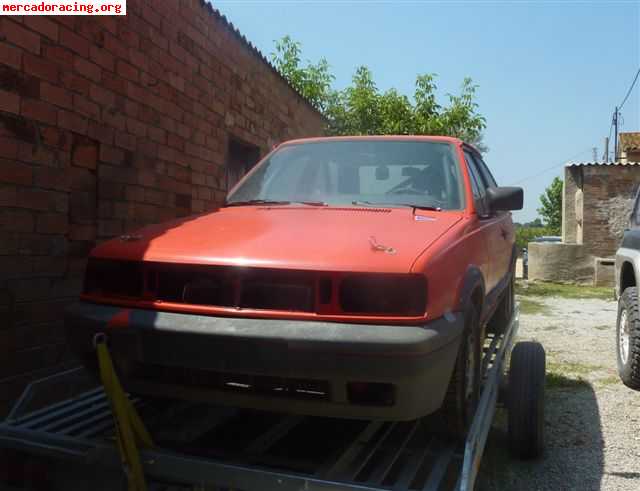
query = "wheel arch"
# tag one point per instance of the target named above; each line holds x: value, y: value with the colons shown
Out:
x: 627, y: 276
x: 472, y: 290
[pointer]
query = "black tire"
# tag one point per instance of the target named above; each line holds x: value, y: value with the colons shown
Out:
x: 629, y: 363
x: 502, y: 316
x: 461, y: 400
x: 525, y: 400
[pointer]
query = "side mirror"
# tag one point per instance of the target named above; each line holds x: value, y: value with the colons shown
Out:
x: 505, y: 198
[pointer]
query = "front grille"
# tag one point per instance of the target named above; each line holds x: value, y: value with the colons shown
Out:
x: 324, y: 293
x: 291, y: 388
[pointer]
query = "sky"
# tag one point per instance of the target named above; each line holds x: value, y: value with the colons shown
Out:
x: 549, y: 72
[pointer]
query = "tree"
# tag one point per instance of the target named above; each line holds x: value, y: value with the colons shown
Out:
x: 551, y: 206
x: 361, y: 109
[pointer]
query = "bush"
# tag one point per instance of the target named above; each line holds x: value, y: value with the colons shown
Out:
x: 524, y: 235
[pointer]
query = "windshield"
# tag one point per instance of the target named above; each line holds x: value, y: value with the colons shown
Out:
x: 353, y: 172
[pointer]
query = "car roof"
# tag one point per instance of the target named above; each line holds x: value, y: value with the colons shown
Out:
x: 435, y: 138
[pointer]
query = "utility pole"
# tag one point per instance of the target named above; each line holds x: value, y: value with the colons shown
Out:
x: 595, y: 154
x: 606, y: 149
x: 615, y: 142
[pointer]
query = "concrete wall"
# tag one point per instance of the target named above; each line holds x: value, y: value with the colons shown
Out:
x: 572, y: 185
x: 560, y: 262
x: 108, y: 124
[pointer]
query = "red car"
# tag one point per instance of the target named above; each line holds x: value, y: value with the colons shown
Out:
x: 349, y: 277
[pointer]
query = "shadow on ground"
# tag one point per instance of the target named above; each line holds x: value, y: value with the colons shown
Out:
x: 574, y: 454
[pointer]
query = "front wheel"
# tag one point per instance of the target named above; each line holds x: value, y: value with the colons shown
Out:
x: 628, y: 338
x: 461, y: 399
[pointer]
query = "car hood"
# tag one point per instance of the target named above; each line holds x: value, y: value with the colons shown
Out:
x: 291, y: 237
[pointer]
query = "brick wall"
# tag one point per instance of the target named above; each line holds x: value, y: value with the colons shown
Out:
x: 608, y: 196
x: 107, y: 124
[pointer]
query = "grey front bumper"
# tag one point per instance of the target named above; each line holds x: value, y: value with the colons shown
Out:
x: 416, y: 360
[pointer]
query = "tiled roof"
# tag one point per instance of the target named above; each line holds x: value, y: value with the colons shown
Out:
x: 243, y: 40
x: 629, y: 141
x: 581, y: 164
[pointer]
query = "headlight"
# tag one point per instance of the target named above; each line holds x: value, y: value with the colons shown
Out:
x: 109, y: 277
x: 384, y: 294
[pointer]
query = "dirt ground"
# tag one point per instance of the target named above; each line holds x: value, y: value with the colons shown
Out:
x: 592, y: 420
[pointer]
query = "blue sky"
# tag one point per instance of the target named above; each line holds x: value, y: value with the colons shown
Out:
x: 549, y: 73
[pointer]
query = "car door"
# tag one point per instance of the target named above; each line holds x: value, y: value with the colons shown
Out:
x: 503, y: 246
x: 488, y: 222
x: 482, y: 227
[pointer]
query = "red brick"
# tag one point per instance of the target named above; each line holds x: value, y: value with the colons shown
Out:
x: 16, y: 34
x: 85, y: 156
x: 8, y: 196
x: 100, y: 132
x: 15, y: 172
x: 114, y: 83
x: 10, y: 56
x: 136, y: 127
x: 62, y: 56
x: 43, y: 25
x: 126, y: 141
x: 16, y: 221
x: 115, y: 46
x: 75, y: 83
x: 9, y: 102
x: 38, y: 110
x: 87, y: 69
x: 40, y: 68
x: 56, y: 95
x: 85, y: 107
x: 52, y: 178
x: 82, y: 232
x: 82, y: 179
x: 127, y: 71
x: 72, y: 122
x: 54, y: 137
x: 52, y: 223
x: 34, y: 199
x: 157, y: 134
x: 113, y: 118
x: 102, y: 57
x: 74, y: 42
x: 111, y: 154
x: 102, y: 96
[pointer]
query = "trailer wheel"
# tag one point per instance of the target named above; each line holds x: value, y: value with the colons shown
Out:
x: 525, y: 400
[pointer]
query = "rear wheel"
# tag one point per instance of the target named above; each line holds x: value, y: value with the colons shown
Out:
x: 462, y: 396
x: 525, y: 400
x: 628, y: 338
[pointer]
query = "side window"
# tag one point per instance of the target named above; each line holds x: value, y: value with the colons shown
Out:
x: 477, y: 184
x: 486, y: 173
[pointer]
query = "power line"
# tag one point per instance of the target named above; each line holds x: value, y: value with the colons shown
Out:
x: 533, y: 176
x: 635, y: 79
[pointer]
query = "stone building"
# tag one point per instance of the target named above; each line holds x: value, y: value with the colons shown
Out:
x: 110, y: 123
x: 596, y: 205
x: 629, y: 147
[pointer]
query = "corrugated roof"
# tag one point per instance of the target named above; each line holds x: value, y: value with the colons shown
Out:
x: 240, y: 37
x: 579, y: 164
x: 629, y: 141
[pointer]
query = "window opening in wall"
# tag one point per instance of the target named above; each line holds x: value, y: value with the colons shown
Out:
x: 241, y: 157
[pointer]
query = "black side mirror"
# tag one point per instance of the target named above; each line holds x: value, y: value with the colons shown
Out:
x: 505, y: 198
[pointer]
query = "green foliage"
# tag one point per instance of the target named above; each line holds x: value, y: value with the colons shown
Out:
x: 362, y: 109
x: 313, y: 82
x: 551, y: 206
x: 525, y: 234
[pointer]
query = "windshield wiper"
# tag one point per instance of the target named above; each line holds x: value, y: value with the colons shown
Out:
x: 311, y: 203
x: 250, y: 202
x: 407, y: 205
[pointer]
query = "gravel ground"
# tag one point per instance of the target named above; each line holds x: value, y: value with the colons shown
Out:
x: 592, y: 420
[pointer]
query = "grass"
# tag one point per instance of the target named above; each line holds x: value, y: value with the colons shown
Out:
x: 532, y: 307
x: 568, y: 375
x: 546, y: 289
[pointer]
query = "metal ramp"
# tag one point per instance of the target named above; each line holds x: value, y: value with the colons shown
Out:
x: 207, y: 447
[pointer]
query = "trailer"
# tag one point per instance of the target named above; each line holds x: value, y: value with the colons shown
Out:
x: 65, y: 419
